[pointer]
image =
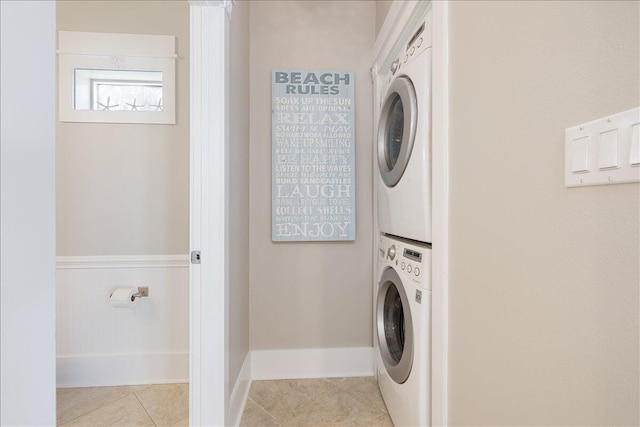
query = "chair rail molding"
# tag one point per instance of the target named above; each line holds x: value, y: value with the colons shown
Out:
x: 122, y: 261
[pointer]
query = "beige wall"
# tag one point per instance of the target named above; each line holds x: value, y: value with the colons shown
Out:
x: 544, y: 279
x: 382, y: 9
x: 238, y: 189
x: 123, y: 189
x: 310, y: 295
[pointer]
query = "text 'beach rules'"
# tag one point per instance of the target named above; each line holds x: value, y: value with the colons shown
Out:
x: 312, y: 156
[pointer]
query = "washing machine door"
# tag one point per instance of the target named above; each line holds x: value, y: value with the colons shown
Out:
x: 397, y: 130
x: 394, y: 326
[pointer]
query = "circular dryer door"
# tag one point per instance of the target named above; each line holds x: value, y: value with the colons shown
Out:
x: 394, y: 326
x: 397, y: 130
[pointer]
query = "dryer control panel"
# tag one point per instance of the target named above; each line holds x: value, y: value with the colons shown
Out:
x: 410, y: 259
x: 418, y: 43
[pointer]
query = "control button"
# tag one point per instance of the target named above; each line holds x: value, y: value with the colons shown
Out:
x: 413, y: 49
x: 391, y: 252
x: 394, y: 66
x: 409, y: 268
x: 406, y: 57
x: 419, y: 42
x: 403, y: 265
x: 416, y: 271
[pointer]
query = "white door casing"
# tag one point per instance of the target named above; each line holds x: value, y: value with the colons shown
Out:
x: 208, y: 389
x: 440, y: 215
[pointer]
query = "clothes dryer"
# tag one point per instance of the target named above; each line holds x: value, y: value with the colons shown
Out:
x: 404, y: 141
x: 403, y: 329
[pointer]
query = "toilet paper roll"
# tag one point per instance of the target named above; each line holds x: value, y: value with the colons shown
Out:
x: 122, y: 297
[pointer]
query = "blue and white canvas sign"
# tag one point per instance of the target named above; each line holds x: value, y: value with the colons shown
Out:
x: 313, y: 156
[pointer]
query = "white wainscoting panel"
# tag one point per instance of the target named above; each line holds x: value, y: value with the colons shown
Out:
x: 312, y: 363
x: 98, y: 345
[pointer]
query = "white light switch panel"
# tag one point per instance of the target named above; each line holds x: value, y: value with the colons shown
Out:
x: 604, y: 151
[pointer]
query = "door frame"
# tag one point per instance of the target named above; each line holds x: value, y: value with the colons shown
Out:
x: 208, y: 385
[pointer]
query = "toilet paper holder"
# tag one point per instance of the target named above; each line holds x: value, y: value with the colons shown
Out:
x: 143, y: 291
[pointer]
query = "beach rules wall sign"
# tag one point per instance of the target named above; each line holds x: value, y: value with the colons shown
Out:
x: 312, y: 156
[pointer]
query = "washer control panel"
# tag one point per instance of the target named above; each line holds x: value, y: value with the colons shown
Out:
x: 409, y: 258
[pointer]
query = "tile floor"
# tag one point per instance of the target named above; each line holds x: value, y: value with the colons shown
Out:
x: 316, y: 402
x: 145, y: 405
x: 305, y: 402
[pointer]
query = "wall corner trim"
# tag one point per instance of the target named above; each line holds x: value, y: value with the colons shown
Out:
x: 312, y: 363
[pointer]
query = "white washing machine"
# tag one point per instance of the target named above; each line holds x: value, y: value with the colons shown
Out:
x: 403, y: 327
x: 404, y: 141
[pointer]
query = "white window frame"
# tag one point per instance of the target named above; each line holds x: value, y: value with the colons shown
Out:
x: 106, y: 51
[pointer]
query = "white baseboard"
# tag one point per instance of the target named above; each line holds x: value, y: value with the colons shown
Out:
x: 240, y: 393
x: 98, y: 370
x: 312, y: 363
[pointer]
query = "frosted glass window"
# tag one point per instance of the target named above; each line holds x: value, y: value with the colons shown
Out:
x: 116, y: 78
x: 117, y: 90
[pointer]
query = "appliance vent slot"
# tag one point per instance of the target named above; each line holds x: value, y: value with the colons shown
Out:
x: 415, y: 36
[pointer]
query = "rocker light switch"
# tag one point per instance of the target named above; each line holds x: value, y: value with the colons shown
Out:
x: 580, y: 155
x: 634, y: 158
x: 608, y: 150
x: 604, y: 151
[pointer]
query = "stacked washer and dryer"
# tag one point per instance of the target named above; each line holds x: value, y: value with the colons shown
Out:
x: 403, y: 302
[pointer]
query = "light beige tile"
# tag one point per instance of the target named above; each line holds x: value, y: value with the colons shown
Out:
x: 383, y: 420
x: 126, y: 412
x: 280, y: 398
x: 319, y: 402
x: 340, y: 408
x: 255, y: 416
x: 262, y: 390
x: 182, y: 423
x: 365, y: 388
x: 335, y: 380
x: 358, y: 382
x: 139, y: 388
x: 314, y: 388
x: 166, y: 403
x: 74, y: 402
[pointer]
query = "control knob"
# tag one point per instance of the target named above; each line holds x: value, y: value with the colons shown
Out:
x: 391, y: 252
